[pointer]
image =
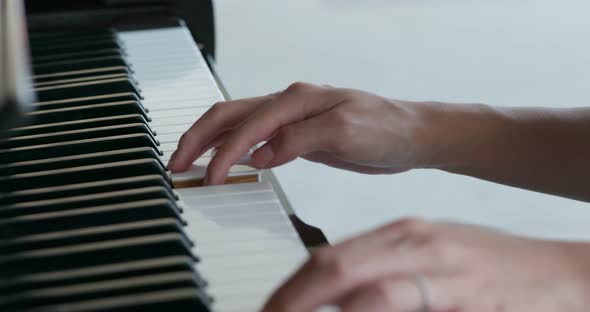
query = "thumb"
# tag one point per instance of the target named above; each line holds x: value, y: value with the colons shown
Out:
x: 292, y: 141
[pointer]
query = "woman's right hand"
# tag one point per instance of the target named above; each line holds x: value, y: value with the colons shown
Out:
x: 342, y: 128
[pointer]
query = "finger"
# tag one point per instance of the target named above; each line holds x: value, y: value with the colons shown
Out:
x: 333, y: 273
x: 351, y: 250
x: 219, y: 118
x: 215, y: 143
x: 392, y: 235
x: 293, y: 105
x: 401, y: 294
x: 292, y: 141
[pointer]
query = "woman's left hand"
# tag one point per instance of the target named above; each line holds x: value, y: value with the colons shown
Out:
x: 464, y: 268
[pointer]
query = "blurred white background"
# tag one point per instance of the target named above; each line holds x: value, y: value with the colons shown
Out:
x: 500, y: 52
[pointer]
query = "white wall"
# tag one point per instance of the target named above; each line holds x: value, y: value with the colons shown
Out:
x: 502, y: 52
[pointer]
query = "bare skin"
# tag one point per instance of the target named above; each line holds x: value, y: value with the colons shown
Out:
x: 546, y: 150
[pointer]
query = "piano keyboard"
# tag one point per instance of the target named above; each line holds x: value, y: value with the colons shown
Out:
x: 90, y: 220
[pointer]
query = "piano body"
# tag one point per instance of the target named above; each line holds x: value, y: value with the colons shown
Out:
x: 90, y: 219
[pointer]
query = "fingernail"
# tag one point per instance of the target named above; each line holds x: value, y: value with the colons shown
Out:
x: 263, y: 156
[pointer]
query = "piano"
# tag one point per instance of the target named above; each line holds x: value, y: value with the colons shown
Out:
x: 94, y: 97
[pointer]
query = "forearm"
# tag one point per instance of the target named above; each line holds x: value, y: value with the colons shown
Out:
x: 546, y: 150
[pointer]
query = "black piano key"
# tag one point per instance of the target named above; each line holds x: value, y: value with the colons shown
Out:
x: 82, y: 74
x: 82, y: 174
x: 79, y: 160
x: 71, y: 135
x: 79, y: 55
x: 110, y: 252
x: 98, y: 290
x: 44, y: 44
x: 87, y: 100
x: 84, y: 201
x: 74, y: 47
x: 98, y: 273
x: 77, y: 147
x: 179, y: 299
x: 69, y: 34
x: 87, y: 112
x: 88, y: 217
x: 172, y: 299
x: 90, y: 235
x: 58, y: 82
x: 85, y: 189
x: 67, y: 38
x: 75, y: 125
x: 79, y: 64
x: 102, y: 87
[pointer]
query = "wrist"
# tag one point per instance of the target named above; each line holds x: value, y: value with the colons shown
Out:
x: 456, y: 137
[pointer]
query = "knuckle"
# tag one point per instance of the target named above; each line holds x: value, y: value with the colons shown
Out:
x: 340, y: 269
x: 298, y: 87
x: 410, y: 225
x: 342, y: 116
x: 440, y: 248
x: 321, y: 257
x: 216, y: 110
x: 329, y: 261
x: 344, y: 121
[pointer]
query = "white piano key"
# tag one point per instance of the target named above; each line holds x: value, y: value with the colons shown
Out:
x: 187, y: 111
x: 168, y: 147
x: 174, y: 130
x: 239, y: 275
x: 243, y: 236
x: 168, y: 137
x: 223, y: 190
x: 196, y: 172
x: 250, y: 261
x: 169, y: 104
x: 206, y: 202
x: 268, y: 219
x: 171, y: 53
x: 179, y: 119
x: 212, y: 232
x: 170, y: 90
x: 166, y: 157
x: 159, y: 72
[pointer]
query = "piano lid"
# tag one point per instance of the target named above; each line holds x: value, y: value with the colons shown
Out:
x: 16, y: 95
